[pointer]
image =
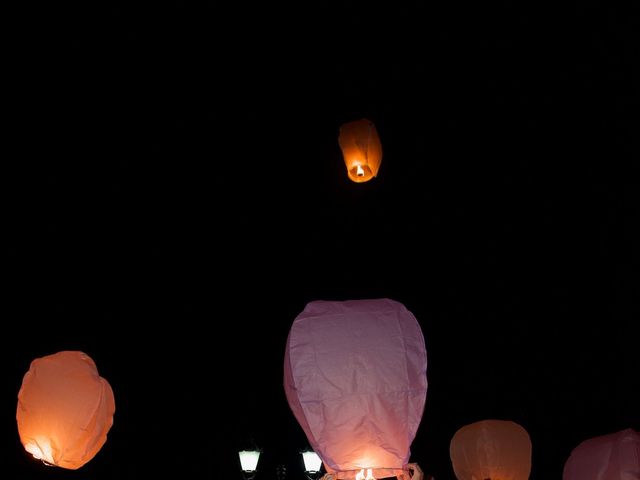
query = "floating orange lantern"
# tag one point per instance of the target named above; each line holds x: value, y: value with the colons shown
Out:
x: 65, y: 409
x: 361, y: 149
x: 491, y: 450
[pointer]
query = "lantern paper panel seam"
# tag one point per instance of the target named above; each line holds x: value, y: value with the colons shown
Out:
x: 65, y: 409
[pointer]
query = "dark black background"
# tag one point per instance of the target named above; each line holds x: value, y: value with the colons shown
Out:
x: 180, y: 196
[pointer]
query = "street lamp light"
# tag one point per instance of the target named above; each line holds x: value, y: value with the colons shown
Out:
x: 312, y: 464
x: 249, y: 465
x: 249, y: 462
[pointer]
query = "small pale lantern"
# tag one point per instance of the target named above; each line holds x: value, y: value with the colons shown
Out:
x: 361, y: 149
x: 615, y: 456
x: 491, y: 450
x: 65, y: 409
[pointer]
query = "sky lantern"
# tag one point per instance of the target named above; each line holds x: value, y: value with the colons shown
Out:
x: 65, y: 409
x: 615, y: 456
x: 491, y: 450
x: 361, y: 149
x: 355, y: 377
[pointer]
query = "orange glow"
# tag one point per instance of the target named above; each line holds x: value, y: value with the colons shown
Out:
x: 360, y: 475
x: 40, y: 448
x: 361, y: 149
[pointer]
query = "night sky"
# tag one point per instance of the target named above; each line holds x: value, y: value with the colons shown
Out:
x: 179, y: 195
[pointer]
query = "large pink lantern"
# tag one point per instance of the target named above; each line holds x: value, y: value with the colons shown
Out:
x: 355, y: 378
x: 65, y: 409
x: 609, y: 457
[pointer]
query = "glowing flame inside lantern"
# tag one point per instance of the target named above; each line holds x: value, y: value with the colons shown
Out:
x: 359, y: 171
x: 41, y: 450
x: 360, y: 475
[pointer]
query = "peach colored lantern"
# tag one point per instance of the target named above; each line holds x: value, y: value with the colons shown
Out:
x: 355, y: 379
x: 491, y: 450
x: 608, y: 457
x: 65, y: 409
x: 361, y: 149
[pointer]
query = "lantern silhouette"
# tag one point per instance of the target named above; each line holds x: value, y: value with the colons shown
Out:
x: 608, y: 457
x: 65, y: 409
x: 491, y: 450
x: 361, y: 149
x: 355, y: 379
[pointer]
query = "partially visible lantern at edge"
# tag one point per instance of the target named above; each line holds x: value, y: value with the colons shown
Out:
x: 491, y: 450
x: 355, y: 377
x: 65, y: 409
x: 615, y: 456
x: 361, y: 149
